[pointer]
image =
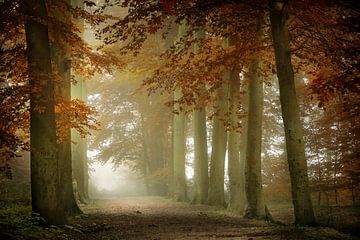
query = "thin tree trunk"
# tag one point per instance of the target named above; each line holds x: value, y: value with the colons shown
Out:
x: 243, y: 143
x: 304, y: 214
x: 179, y: 138
x: 171, y: 165
x: 169, y: 42
x: 144, y: 153
x: 45, y: 176
x: 179, y: 151
x: 201, y: 178
x: 79, y: 149
x: 236, y: 195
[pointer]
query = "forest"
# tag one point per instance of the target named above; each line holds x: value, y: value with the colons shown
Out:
x: 179, y: 119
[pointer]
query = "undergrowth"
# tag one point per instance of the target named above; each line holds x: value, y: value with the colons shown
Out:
x: 17, y: 222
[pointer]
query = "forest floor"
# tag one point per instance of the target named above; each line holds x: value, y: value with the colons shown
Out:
x: 158, y: 218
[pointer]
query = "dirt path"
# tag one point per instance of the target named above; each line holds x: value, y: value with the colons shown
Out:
x: 158, y: 218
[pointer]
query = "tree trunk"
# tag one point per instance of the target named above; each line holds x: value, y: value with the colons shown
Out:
x: 304, y: 214
x: 61, y: 58
x: 179, y: 151
x: 243, y: 144
x: 64, y: 151
x: 254, y: 194
x: 201, y: 178
x: 45, y: 192
x: 236, y: 198
x: 79, y: 149
x: 169, y: 42
x: 219, y: 139
x: 253, y: 184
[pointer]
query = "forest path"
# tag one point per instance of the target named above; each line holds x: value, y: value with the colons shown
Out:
x: 158, y: 218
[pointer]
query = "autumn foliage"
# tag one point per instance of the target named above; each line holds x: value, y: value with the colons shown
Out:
x: 15, y: 93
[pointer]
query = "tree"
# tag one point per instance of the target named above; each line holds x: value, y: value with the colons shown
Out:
x: 219, y: 142
x: 243, y: 142
x: 201, y: 178
x: 304, y: 214
x: 61, y: 58
x: 45, y: 185
x: 79, y: 148
x: 255, y: 202
x: 236, y: 181
x: 179, y: 139
x: 179, y: 184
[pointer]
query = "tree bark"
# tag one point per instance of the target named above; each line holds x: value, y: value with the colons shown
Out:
x: 254, y: 194
x: 179, y: 151
x: 79, y: 149
x: 61, y: 58
x: 219, y: 140
x: 304, y: 214
x: 45, y: 175
x: 201, y: 178
x: 253, y: 184
x: 236, y: 193
x: 243, y: 143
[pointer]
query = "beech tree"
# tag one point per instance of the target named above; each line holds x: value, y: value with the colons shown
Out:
x: 79, y: 148
x: 201, y: 178
x: 179, y: 135
x: 304, y: 214
x: 45, y: 83
x: 219, y: 142
x: 255, y: 202
x: 45, y: 184
x: 61, y: 57
x: 235, y: 168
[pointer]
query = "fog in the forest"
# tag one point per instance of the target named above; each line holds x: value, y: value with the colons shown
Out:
x: 146, y: 119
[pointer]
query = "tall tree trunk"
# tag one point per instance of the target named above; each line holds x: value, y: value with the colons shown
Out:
x: 236, y: 198
x: 45, y: 176
x: 169, y: 42
x: 179, y: 144
x: 79, y: 149
x: 219, y: 139
x: 201, y: 178
x: 254, y: 194
x: 145, y: 154
x: 179, y: 149
x: 61, y: 58
x: 243, y: 143
x: 304, y: 214
x: 64, y: 151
